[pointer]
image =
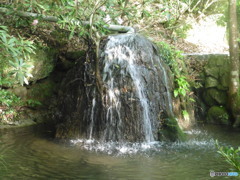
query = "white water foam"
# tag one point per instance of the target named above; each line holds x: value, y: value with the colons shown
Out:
x: 118, y: 149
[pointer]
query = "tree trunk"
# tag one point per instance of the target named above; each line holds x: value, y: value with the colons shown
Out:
x: 234, y: 99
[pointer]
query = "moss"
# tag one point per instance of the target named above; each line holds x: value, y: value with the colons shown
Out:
x: 212, y: 97
x: 42, y: 91
x: 212, y: 71
x: 43, y: 61
x: 218, y: 115
x: 218, y: 60
x: 224, y: 81
x: 171, y: 131
x: 211, y: 82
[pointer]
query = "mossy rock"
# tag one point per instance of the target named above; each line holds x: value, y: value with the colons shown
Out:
x: 218, y: 115
x: 213, y: 96
x: 44, y: 61
x: 217, y: 60
x: 224, y: 81
x: 171, y: 131
x: 212, y: 71
x: 211, y: 82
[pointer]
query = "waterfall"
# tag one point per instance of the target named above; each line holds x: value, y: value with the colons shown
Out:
x: 127, y: 61
x: 119, y: 55
x: 136, y: 98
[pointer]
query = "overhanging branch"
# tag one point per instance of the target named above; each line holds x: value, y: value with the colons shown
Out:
x: 111, y: 27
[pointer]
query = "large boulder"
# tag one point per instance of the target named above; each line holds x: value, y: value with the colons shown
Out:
x: 135, y: 102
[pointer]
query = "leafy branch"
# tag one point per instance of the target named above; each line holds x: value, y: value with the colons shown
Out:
x: 231, y: 155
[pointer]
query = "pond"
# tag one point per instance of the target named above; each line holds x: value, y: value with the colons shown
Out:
x: 29, y: 153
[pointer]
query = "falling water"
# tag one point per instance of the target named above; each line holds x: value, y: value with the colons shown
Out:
x: 117, y: 55
x: 92, y: 118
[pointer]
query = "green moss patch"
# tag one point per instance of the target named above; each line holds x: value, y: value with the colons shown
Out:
x: 43, y: 61
x: 218, y: 115
x: 171, y: 131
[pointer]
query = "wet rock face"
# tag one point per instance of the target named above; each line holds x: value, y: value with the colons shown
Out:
x: 137, y: 88
x: 135, y: 99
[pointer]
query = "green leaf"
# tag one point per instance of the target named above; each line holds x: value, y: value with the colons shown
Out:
x: 185, y: 114
x: 12, y: 41
x: 183, y: 92
x: 12, y: 64
x: 4, y: 39
x: 175, y: 92
x: 25, y: 80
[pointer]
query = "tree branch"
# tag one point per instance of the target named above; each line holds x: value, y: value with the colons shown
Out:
x: 111, y: 27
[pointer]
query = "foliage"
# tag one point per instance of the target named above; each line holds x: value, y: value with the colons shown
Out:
x: 183, y: 86
x: 20, y: 70
x: 100, y: 13
x: 172, y: 57
x: 5, y: 81
x: 16, y: 49
x: 175, y: 60
x: 231, y: 155
x: 8, y: 99
x: 15, y: 46
x: 223, y: 20
x: 33, y: 103
x: 8, y: 104
x: 202, y: 6
x: 185, y: 114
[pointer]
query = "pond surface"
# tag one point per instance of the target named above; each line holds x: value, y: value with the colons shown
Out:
x: 29, y: 153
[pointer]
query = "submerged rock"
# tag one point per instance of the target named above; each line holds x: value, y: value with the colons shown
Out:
x: 136, y: 100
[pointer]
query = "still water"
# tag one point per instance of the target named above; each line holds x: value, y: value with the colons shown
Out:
x: 29, y: 153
